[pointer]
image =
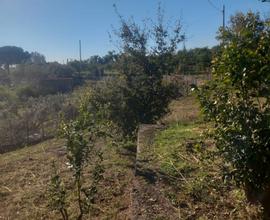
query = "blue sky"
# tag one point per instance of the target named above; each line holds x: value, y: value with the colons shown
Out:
x: 54, y: 27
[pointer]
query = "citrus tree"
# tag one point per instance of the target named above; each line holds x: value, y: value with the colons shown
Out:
x: 237, y: 101
x: 80, y: 135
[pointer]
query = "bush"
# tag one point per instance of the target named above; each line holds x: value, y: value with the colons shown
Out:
x: 237, y: 101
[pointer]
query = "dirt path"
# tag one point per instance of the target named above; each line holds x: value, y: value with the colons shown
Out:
x: 147, y: 200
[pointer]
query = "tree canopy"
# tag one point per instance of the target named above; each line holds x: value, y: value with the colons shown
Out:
x: 12, y: 55
x: 138, y: 94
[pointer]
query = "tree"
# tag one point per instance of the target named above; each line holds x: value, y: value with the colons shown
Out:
x: 37, y: 58
x: 44, y: 79
x: 12, y: 55
x: 237, y: 101
x: 195, y: 60
x: 139, y: 94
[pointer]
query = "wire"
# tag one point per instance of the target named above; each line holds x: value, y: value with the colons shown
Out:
x: 214, y: 6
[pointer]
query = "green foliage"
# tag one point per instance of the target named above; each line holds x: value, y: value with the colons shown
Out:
x: 34, y: 75
x: 139, y: 95
x: 91, y: 191
x: 237, y: 100
x: 94, y: 68
x: 45, y: 79
x: 80, y: 135
x: 58, y: 194
x: 167, y: 145
x: 195, y: 61
x: 27, y: 91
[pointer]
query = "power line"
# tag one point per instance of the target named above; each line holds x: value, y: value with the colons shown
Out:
x: 220, y: 10
x: 214, y: 6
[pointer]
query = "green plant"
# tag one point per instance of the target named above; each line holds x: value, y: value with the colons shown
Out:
x: 58, y: 194
x: 97, y: 175
x: 77, y: 155
x: 237, y: 101
x: 139, y: 95
x: 80, y: 135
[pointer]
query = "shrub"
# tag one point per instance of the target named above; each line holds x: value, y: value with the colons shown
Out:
x: 237, y: 101
x: 80, y: 135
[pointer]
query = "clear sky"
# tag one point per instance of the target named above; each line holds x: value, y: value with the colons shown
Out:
x: 54, y: 27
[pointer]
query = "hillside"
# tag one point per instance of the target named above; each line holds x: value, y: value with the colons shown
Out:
x: 173, y: 176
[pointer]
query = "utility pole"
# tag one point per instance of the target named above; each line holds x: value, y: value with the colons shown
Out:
x: 80, y: 50
x: 80, y: 53
x: 184, y: 42
x: 223, y: 15
x: 218, y: 9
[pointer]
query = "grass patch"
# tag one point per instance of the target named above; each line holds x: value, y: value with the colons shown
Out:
x: 190, y: 170
x: 175, y: 134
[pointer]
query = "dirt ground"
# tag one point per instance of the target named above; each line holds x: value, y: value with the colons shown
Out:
x: 167, y: 179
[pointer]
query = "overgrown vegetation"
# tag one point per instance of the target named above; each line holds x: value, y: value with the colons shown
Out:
x: 28, y: 121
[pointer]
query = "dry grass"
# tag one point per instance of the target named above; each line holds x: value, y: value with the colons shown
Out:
x: 25, y: 175
x: 184, y: 110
